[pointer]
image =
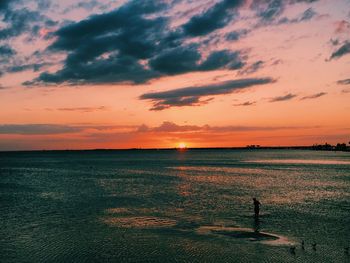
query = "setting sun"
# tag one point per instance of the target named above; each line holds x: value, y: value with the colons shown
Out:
x: 182, y: 145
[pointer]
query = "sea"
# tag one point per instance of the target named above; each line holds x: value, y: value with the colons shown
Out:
x: 175, y: 206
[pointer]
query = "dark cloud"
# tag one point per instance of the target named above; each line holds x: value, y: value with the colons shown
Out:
x: 19, y: 68
x: 177, y: 60
x: 128, y: 45
x: 171, y: 127
x: 178, y: 102
x: 213, y: 89
x: 247, y: 103
x: 214, y: 18
x: 191, y: 96
x: 222, y: 59
x: 137, y: 42
x: 269, y: 10
x: 343, y: 50
x: 121, y: 24
x: 4, y: 4
x: 37, y: 129
x: 6, y: 51
x: 168, y: 126
x: 314, y: 96
x: 344, y: 82
x: 53, y: 129
x: 111, y: 70
x: 22, y: 20
x: 283, y: 98
x: 185, y: 59
x: 307, y: 15
x: 190, y: 57
x: 107, y: 48
x: 43, y: 4
x: 87, y: 5
x: 235, y: 35
x: 252, y: 68
x: 334, y: 42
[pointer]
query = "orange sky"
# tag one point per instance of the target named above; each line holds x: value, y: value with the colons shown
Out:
x: 303, y: 56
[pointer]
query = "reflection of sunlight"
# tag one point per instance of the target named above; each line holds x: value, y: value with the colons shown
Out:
x: 299, y: 161
x: 308, y: 185
x: 140, y: 222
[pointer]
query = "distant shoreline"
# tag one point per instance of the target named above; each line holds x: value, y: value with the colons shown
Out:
x: 248, y: 148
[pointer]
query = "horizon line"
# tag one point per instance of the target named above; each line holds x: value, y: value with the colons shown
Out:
x: 248, y: 147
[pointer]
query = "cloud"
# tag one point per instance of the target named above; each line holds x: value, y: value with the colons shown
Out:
x: 56, y: 129
x: 19, y: 68
x: 283, y: 98
x: 235, y: 35
x: 344, y: 82
x: 139, y: 41
x: 343, y: 50
x: 22, y: 20
x: 214, y: 18
x: 314, y: 96
x: 82, y: 109
x: 37, y: 129
x: 114, y: 69
x: 168, y: 126
x: 106, y: 131
x: 186, y: 59
x: 6, y: 51
x: 269, y: 10
x: 247, y: 103
x: 252, y: 68
x: 108, y: 47
x: 190, y: 96
x: 307, y: 15
x: 189, y: 60
x: 334, y: 42
x: 87, y: 5
x: 222, y: 59
x: 4, y: 4
x: 129, y: 45
x: 171, y: 127
x: 21, y: 23
x: 342, y: 26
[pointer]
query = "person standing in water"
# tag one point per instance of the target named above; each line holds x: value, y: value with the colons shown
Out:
x: 256, y: 207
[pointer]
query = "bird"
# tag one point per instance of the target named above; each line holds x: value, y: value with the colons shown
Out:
x: 292, y: 250
x: 314, y: 246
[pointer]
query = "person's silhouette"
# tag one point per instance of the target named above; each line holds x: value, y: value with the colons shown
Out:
x: 256, y: 207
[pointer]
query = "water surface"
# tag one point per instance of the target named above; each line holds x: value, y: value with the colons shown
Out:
x: 133, y: 206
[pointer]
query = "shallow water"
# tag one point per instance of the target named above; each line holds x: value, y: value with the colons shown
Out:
x: 134, y: 206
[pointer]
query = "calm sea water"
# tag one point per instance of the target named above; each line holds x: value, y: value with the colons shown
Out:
x: 171, y: 206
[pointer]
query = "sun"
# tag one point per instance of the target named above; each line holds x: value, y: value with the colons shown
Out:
x: 182, y: 145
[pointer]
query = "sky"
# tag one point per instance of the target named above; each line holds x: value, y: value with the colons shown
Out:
x: 156, y: 73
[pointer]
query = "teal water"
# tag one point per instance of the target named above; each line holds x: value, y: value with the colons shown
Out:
x: 172, y: 206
